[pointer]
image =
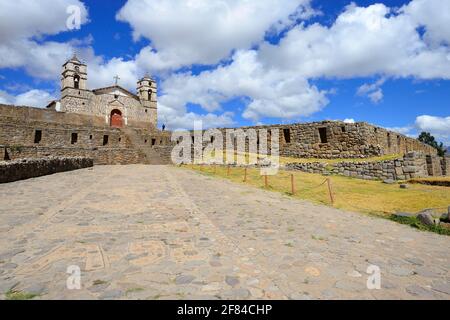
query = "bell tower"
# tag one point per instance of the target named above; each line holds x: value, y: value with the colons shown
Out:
x: 74, y: 92
x: 74, y: 75
x: 147, y: 92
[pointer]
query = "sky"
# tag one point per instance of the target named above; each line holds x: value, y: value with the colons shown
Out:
x: 242, y: 62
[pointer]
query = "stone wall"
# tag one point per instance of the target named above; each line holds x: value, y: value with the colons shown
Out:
x: 412, y: 165
x: 11, y: 171
x: 336, y: 139
x: 35, y: 133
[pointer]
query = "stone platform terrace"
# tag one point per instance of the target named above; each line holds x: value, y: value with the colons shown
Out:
x: 156, y: 232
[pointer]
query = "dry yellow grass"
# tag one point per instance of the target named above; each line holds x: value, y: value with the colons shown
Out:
x: 370, y: 197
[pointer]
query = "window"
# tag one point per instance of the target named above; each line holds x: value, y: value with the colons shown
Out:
x: 6, y: 157
x: 76, y: 81
x: 116, y: 96
x: 212, y: 139
x: 74, y: 138
x: 145, y: 141
x: 146, y: 111
x: 150, y: 92
x: 37, y: 136
x: 105, y: 140
x: 389, y: 140
x: 154, y: 142
x: 343, y: 129
x: 323, y: 135
x: 287, y: 135
x: 120, y: 139
x: 90, y: 137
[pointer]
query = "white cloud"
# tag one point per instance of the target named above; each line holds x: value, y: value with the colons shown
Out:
x: 349, y: 120
x: 437, y: 126
x: 32, y: 98
x: 271, y: 93
x: 274, y: 79
x: 183, y: 33
x: 373, y: 91
x: 362, y: 42
x: 23, y: 23
x: 434, y: 15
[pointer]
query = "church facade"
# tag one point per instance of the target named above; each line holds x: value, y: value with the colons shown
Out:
x: 117, y: 106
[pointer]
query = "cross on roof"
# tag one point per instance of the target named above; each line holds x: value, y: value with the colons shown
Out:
x: 116, y: 78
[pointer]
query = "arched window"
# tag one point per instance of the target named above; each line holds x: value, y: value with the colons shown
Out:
x: 76, y: 81
x: 150, y: 92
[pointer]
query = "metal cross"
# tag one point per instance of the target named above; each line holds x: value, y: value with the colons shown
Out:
x: 116, y: 78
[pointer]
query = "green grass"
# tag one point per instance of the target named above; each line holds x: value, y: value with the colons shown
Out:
x: 350, y: 194
x: 18, y: 295
x: 415, y: 223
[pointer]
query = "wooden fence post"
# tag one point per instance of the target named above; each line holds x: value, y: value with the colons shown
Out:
x: 292, y: 184
x: 228, y: 171
x: 266, y: 181
x: 245, y: 175
x: 330, y: 190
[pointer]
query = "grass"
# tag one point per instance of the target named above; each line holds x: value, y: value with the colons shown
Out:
x: 415, y: 223
x: 369, y: 197
x: 18, y: 295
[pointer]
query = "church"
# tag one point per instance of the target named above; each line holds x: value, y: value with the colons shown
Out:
x: 117, y: 106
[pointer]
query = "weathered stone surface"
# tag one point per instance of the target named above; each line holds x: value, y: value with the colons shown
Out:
x: 426, y: 218
x: 163, y: 217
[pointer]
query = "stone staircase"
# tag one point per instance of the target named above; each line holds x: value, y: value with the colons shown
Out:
x: 137, y: 142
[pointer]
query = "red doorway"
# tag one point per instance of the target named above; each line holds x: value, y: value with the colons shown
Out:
x: 116, y: 119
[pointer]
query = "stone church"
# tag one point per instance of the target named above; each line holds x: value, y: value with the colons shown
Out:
x: 118, y: 106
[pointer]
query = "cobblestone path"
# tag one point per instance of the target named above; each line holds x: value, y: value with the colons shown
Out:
x: 156, y: 232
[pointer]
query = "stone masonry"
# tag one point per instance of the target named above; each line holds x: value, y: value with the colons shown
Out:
x: 412, y: 165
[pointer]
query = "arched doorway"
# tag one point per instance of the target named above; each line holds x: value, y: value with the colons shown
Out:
x: 116, y: 119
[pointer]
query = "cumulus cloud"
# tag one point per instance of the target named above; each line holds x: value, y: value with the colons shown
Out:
x: 31, y: 98
x: 373, y: 91
x: 183, y: 33
x: 271, y: 93
x: 363, y: 42
x: 437, y: 126
x: 349, y: 121
x: 23, y: 23
x: 274, y: 80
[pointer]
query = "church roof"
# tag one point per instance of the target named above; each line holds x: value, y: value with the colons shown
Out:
x: 107, y: 90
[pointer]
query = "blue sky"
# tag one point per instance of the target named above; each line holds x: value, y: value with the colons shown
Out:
x: 383, y: 82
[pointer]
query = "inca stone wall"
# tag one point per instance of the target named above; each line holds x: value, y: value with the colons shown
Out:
x: 36, y: 133
x: 30, y: 168
x: 412, y: 165
x: 335, y: 139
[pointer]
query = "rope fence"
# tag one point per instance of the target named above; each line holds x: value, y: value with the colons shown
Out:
x: 294, y: 190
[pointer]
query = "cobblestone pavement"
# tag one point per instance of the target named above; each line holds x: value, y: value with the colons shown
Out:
x: 143, y: 232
